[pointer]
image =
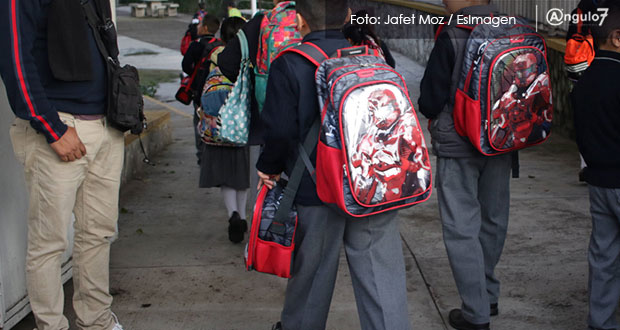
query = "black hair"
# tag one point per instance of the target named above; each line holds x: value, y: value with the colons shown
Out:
x: 201, y: 5
x: 230, y: 27
x: 612, y: 22
x: 323, y: 14
x: 211, y: 22
x: 358, y: 33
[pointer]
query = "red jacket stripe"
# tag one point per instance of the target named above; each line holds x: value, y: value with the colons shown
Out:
x: 20, y: 71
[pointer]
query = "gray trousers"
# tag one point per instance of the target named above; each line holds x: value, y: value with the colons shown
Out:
x: 474, y: 201
x: 604, y: 258
x: 374, y: 253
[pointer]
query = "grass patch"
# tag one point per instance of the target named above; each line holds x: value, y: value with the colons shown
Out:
x: 150, y: 79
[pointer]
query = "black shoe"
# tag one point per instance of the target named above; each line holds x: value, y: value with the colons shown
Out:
x: 457, y: 321
x: 236, y: 228
x: 494, y: 309
x: 277, y: 326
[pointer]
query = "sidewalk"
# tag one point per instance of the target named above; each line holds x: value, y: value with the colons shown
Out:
x: 174, y: 268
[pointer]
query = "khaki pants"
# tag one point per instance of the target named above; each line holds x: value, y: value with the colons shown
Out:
x: 89, y: 189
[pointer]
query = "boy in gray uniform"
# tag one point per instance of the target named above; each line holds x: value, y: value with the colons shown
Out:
x: 597, y: 122
x: 372, y: 244
x: 473, y: 189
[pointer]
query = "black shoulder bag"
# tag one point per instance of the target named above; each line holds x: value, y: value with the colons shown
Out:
x: 125, y: 106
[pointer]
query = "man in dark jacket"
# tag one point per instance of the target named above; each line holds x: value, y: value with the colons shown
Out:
x: 473, y: 189
x: 55, y: 79
x: 597, y: 120
x: 372, y: 244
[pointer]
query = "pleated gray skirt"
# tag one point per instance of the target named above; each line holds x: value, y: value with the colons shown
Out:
x: 225, y: 166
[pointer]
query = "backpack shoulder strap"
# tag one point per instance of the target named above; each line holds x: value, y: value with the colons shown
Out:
x: 457, y: 44
x: 301, y: 164
x: 213, y: 51
x: 243, y: 43
x: 310, y: 51
x: 579, y: 21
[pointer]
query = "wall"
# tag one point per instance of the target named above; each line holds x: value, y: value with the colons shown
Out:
x: 13, y: 206
x: 416, y: 42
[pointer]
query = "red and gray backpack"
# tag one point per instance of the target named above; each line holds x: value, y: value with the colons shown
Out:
x: 503, y: 99
x: 371, y: 153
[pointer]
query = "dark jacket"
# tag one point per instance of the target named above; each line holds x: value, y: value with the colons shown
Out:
x: 33, y: 92
x: 229, y: 62
x: 596, y: 103
x: 291, y: 106
x: 195, y: 53
x: 438, y: 87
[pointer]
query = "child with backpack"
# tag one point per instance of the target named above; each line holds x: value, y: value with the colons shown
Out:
x: 268, y: 33
x: 224, y: 166
x: 278, y: 23
x: 199, y: 51
x: 597, y: 118
x: 473, y: 130
x: 580, y: 48
x: 372, y: 243
x: 196, y: 62
x: 579, y: 43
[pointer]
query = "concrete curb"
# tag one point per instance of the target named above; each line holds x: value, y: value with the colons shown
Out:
x: 155, y: 138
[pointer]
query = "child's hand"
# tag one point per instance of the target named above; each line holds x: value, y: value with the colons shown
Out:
x: 268, y: 180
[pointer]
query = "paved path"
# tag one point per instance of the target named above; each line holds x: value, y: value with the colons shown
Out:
x: 174, y: 268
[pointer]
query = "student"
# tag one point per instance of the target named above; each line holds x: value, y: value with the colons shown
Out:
x: 597, y: 118
x: 200, y: 48
x: 372, y: 244
x: 195, y: 53
x: 472, y: 189
x: 229, y: 62
x: 227, y: 167
x: 581, y: 28
x: 364, y: 34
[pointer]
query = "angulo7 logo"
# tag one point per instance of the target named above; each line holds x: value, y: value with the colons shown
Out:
x: 556, y: 17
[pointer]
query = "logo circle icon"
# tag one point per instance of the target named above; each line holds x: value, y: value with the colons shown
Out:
x: 555, y: 17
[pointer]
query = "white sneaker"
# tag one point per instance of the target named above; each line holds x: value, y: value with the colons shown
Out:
x: 117, y: 326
